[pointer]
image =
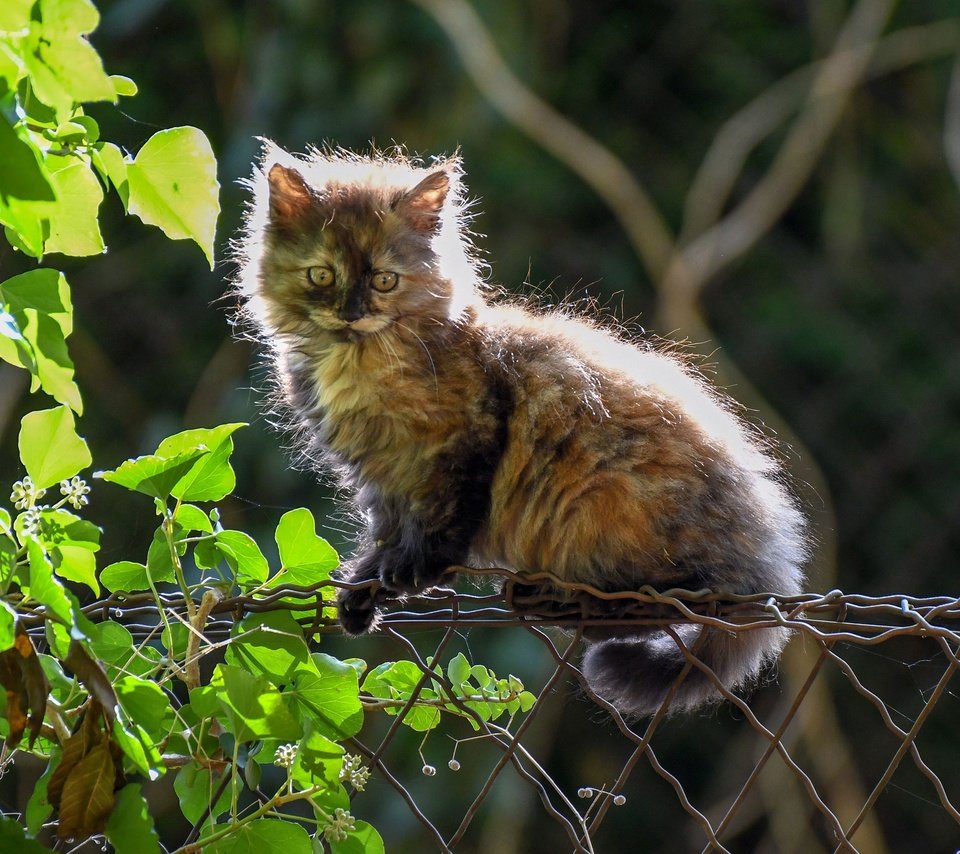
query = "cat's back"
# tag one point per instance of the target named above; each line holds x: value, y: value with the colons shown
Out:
x: 618, y: 379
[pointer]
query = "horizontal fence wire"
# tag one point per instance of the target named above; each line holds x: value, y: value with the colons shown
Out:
x: 557, y: 614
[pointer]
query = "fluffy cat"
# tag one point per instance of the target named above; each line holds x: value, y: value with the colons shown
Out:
x: 471, y: 430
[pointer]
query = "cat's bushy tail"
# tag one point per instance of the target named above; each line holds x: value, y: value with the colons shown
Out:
x: 635, y: 674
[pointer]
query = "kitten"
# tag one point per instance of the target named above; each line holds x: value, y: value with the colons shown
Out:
x: 469, y: 430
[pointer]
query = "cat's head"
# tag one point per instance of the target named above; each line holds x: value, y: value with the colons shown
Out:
x: 340, y: 246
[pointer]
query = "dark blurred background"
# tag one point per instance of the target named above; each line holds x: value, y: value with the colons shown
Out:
x: 838, y: 326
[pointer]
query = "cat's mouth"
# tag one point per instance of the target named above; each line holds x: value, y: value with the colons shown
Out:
x: 355, y: 330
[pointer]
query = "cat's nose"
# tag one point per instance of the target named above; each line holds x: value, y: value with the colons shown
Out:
x: 350, y: 313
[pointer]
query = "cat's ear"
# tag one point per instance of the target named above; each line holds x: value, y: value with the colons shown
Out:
x: 421, y: 206
x: 290, y: 196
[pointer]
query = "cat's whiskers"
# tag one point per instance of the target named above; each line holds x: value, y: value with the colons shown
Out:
x: 389, y: 351
x: 433, y: 366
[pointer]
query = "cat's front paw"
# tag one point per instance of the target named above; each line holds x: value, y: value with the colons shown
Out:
x: 405, y: 579
x: 357, y: 610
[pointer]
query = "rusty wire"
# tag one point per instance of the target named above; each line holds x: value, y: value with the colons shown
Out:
x: 823, y: 620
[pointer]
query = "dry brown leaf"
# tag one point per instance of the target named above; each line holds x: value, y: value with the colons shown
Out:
x: 88, y: 794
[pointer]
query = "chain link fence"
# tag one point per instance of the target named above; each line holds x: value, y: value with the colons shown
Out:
x: 783, y: 776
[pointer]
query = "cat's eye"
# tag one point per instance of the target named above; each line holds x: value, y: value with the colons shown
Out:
x: 322, y: 277
x: 384, y: 280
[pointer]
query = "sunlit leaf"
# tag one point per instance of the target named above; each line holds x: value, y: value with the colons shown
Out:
x: 126, y: 576
x: 153, y: 475
x: 64, y: 67
x: 77, y: 564
x: 15, y: 14
x: 39, y: 303
x: 50, y: 448
x: 123, y: 85
x: 270, y: 644
x: 74, y: 222
x: 138, y: 746
x: 212, y: 478
x: 44, y: 587
x: 264, y: 836
x: 458, y: 670
x: 243, y: 556
x: 254, y: 708
x: 173, y: 185
x: 192, y: 518
x: 319, y: 761
x: 327, y: 697
x: 363, y: 839
x: 299, y: 544
x: 109, y: 161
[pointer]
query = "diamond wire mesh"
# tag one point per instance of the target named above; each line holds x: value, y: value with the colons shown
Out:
x: 828, y: 630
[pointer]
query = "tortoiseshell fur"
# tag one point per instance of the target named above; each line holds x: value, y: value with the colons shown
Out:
x: 469, y: 430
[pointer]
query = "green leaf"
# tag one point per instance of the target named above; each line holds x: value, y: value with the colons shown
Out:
x: 271, y: 645
x: 39, y: 303
x: 137, y: 746
x: 159, y: 560
x: 153, y: 475
x: 126, y: 576
x: 15, y: 14
x: 144, y: 702
x: 63, y: 528
x: 195, y: 788
x: 212, y: 478
x: 299, y: 544
x: 44, y: 587
x: 75, y: 563
x: 123, y: 85
x: 69, y: 131
x: 173, y: 185
x: 113, y: 645
x: 363, y: 839
x: 243, y: 556
x: 39, y: 809
x: 109, y: 161
x: 192, y: 518
x: 327, y: 697
x: 64, y: 67
x: 50, y: 448
x: 24, y: 176
x: 254, y: 708
x: 8, y: 625
x: 319, y: 762
x: 8, y: 558
x: 74, y: 221
x: 130, y: 829
x: 458, y: 670
x: 396, y: 680
x: 14, y: 838
x: 264, y: 836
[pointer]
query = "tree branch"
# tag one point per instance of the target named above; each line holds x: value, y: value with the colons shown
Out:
x: 580, y: 152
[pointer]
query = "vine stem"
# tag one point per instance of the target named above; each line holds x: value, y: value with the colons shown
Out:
x: 175, y: 560
x: 274, y: 802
